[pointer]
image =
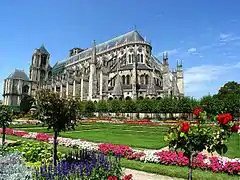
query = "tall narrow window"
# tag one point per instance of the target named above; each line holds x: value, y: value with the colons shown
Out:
x: 141, y: 58
x: 146, y: 79
x: 130, y: 58
x: 142, y: 79
x: 128, y: 79
x: 123, y: 79
x: 138, y: 58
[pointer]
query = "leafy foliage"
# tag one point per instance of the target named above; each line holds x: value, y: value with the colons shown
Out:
x: 5, y: 119
x: 12, y: 167
x: 195, y: 139
x: 26, y: 103
x: 58, y: 113
x: 34, y: 153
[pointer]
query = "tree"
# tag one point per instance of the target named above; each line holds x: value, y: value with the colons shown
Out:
x: 102, y: 106
x: 26, y: 103
x: 231, y: 88
x: 230, y: 95
x: 57, y: 113
x: 89, y: 108
x: 5, y: 120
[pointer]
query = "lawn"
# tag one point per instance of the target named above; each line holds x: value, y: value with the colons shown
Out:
x: 136, y: 136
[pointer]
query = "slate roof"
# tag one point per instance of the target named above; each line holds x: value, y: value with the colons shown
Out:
x: 125, y: 38
x: 18, y: 74
x: 43, y: 50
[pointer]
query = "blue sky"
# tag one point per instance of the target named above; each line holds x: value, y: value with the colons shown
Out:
x: 204, y: 34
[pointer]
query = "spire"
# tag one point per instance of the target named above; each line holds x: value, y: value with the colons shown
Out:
x: 165, y: 58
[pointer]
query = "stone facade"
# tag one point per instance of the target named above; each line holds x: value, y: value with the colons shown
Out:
x: 121, y: 68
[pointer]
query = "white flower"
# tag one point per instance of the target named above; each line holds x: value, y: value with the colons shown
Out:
x: 207, y: 161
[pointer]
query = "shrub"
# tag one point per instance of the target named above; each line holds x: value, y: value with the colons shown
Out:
x: 12, y: 167
x: 33, y: 152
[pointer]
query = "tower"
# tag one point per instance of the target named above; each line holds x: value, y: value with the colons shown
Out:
x: 40, y: 65
x: 180, y: 82
x: 165, y: 75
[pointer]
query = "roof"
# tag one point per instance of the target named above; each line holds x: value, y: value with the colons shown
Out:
x: 19, y: 74
x: 43, y: 50
x: 125, y: 38
x: 58, y: 68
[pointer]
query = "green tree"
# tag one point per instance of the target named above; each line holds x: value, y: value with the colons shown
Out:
x: 5, y: 120
x: 102, y: 107
x: 89, y: 108
x: 57, y: 113
x: 129, y: 106
x: 115, y: 106
x: 230, y: 95
x: 26, y: 103
x: 231, y: 88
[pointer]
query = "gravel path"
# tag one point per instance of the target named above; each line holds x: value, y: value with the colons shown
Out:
x: 140, y: 175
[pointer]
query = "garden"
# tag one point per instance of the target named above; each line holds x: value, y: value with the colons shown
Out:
x: 182, y: 138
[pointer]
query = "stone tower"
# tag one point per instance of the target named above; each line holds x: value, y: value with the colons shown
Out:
x: 39, y: 68
x: 165, y: 75
x: 180, y: 82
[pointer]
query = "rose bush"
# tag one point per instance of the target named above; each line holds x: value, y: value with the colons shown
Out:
x: 194, y: 139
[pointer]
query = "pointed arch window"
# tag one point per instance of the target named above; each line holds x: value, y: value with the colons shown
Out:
x: 146, y: 79
x: 141, y: 58
x: 130, y: 58
x: 123, y: 79
x: 138, y: 58
x: 142, y: 79
x: 128, y: 79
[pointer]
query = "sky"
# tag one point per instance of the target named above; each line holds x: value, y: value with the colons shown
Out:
x: 204, y: 34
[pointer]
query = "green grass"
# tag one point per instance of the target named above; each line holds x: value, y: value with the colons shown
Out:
x: 172, y: 171
x: 150, y: 137
x: 136, y: 136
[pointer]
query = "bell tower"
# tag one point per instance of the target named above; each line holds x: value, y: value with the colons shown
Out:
x: 39, y: 66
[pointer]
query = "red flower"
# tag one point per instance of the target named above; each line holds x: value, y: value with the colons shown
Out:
x: 112, y: 178
x: 235, y: 128
x: 224, y: 118
x: 127, y: 177
x: 196, y: 111
x: 185, y: 126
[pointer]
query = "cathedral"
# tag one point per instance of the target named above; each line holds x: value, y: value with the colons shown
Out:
x: 120, y: 68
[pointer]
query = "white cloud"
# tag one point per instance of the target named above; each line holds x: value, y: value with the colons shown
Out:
x: 170, y: 52
x: 197, y: 77
x: 190, y: 50
x: 226, y: 37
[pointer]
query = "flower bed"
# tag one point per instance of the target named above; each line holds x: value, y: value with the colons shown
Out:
x: 141, y: 122
x: 19, y: 122
x: 215, y: 164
